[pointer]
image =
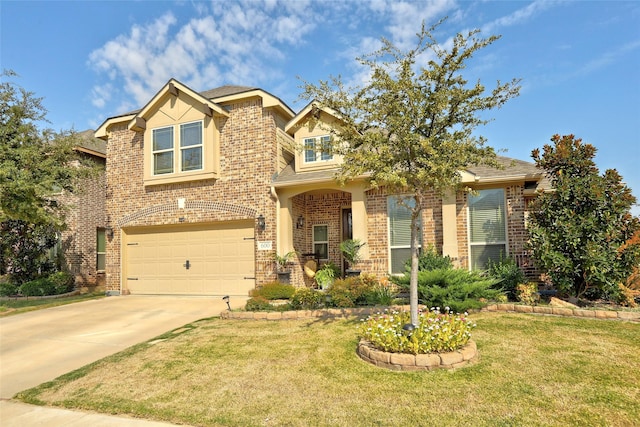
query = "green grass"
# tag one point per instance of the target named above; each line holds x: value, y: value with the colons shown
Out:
x: 533, y: 371
x: 10, y: 307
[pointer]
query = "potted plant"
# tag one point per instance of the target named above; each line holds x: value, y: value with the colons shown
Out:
x: 326, y: 274
x: 350, y: 249
x: 284, y: 275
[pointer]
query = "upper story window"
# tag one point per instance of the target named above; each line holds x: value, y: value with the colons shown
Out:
x: 487, y: 227
x: 400, y: 232
x: 317, y: 149
x: 185, y: 156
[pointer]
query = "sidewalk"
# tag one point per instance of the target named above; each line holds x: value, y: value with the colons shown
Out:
x: 18, y: 414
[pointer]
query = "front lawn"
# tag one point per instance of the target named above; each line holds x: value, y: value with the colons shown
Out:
x: 533, y: 371
x: 11, y: 306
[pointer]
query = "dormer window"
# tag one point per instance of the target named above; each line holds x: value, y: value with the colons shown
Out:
x: 317, y: 149
x: 166, y: 155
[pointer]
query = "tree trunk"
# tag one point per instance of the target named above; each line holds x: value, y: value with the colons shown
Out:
x: 415, y: 241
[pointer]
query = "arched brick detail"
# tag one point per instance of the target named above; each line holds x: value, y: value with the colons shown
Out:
x: 237, y: 210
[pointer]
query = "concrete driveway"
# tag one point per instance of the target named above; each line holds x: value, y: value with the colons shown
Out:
x: 39, y: 346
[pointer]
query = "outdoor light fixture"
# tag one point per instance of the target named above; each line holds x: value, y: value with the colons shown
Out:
x: 300, y: 222
x: 226, y: 299
x: 261, y: 223
x: 109, y: 232
x: 408, y: 329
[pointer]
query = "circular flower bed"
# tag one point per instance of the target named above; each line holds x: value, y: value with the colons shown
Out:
x: 389, y: 339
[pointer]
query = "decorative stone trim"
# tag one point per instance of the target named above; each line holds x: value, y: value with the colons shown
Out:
x: 243, y: 211
x: 418, y: 362
x: 633, y: 316
x: 305, y: 314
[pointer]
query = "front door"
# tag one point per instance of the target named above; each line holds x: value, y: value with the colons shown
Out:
x: 347, y: 230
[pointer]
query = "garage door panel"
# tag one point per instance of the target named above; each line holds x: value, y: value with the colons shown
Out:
x: 221, y: 256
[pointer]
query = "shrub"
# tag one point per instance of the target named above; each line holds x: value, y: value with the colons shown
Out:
x: 258, y: 303
x: 507, y: 271
x: 380, y: 295
x: 345, y: 292
x: 430, y: 259
x: 37, y: 288
x: 528, y: 293
x: 7, y: 289
x: 62, y: 282
x: 307, y: 299
x: 459, y: 289
x: 435, y: 331
x: 274, y: 290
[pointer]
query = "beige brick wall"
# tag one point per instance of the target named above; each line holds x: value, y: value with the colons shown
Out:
x: 248, y: 160
x: 85, y: 214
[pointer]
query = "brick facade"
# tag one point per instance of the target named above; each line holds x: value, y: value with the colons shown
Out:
x: 248, y: 160
x: 85, y: 214
x: 255, y: 156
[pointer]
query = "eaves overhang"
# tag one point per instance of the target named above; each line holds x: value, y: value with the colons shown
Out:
x: 102, y: 131
x: 174, y: 88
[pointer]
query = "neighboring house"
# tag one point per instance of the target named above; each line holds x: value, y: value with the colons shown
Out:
x: 203, y: 188
x: 82, y: 243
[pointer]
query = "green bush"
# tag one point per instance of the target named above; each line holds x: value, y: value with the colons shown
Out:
x: 460, y: 290
x: 37, y: 288
x: 7, y: 289
x: 274, y: 290
x: 435, y: 332
x: 62, y: 281
x: 508, y: 273
x: 380, y: 295
x: 258, y: 303
x: 307, y: 299
x: 430, y: 259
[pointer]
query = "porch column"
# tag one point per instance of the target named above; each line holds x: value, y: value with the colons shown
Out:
x: 359, y: 217
x: 449, y: 226
x: 285, y: 224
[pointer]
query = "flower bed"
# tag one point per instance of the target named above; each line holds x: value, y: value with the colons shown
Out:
x: 418, y: 362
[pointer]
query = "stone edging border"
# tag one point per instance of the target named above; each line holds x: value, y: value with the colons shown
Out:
x: 418, y: 362
x: 633, y: 316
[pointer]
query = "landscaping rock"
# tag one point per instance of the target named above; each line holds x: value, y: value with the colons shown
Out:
x: 557, y: 302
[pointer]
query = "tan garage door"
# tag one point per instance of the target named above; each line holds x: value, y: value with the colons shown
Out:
x: 215, y: 259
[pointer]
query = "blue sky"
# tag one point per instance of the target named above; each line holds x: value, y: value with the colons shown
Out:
x: 579, y: 61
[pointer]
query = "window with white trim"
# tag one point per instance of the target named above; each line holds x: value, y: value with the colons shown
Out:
x: 400, y: 232
x: 101, y: 249
x: 186, y: 156
x: 317, y: 149
x: 321, y: 241
x: 487, y: 227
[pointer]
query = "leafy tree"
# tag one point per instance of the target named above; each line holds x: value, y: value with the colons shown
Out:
x: 581, y: 232
x: 34, y: 165
x: 410, y: 128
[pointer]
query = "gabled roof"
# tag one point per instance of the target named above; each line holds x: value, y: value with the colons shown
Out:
x: 212, y: 98
x: 221, y: 91
x: 174, y: 87
x: 89, y: 144
x: 312, y: 108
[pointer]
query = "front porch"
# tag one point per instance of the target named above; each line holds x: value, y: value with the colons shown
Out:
x: 314, y: 219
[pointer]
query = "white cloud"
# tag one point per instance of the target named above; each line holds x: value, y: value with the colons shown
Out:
x: 519, y: 16
x: 230, y: 43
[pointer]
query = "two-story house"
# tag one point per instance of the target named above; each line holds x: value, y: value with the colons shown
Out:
x: 204, y: 187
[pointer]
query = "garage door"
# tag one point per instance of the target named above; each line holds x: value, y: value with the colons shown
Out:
x: 215, y: 259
